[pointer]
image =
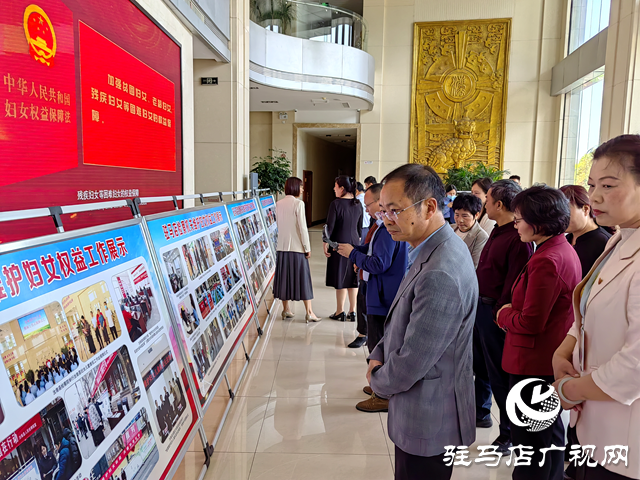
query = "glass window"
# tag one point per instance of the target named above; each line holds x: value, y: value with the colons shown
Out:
x: 581, y: 129
x: 588, y: 18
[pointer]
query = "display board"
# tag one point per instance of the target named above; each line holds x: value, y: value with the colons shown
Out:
x: 255, y: 249
x: 92, y: 370
x: 200, y: 263
x: 91, y: 100
x: 268, y: 209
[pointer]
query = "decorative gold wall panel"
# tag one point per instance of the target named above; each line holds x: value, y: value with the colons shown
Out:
x: 459, y: 92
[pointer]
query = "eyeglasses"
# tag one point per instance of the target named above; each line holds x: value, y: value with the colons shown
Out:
x: 370, y: 203
x: 392, y: 215
x: 517, y: 220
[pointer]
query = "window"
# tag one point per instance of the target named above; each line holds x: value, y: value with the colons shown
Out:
x: 581, y: 129
x: 588, y: 18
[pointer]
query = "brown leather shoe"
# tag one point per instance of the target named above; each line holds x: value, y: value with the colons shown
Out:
x: 373, y: 405
x: 368, y: 390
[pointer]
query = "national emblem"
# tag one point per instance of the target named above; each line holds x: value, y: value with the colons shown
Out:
x: 40, y: 35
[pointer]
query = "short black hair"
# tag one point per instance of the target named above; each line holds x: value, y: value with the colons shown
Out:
x: 421, y: 182
x: 505, y: 191
x: 468, y: 202
x: 371, y: 180
x: 450, y: 187
x: 514, y: 177
x: 375, y: 189
x: 359, y: 187
x: 546, y: 209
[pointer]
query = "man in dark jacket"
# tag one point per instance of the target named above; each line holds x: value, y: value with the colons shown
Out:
x: 65, y: 463
x: 384, y: 262
x: 75, y: 458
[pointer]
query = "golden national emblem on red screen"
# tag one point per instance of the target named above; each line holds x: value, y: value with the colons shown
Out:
x: 40, y: 35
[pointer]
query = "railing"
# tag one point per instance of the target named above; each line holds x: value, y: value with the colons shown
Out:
x: 312, y: 21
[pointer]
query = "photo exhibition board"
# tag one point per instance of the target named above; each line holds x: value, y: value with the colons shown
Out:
x: 255, y: 249
x: 268, y: 209
x: 91, y: 101
x: 93, y: 385
x: 202, y: 270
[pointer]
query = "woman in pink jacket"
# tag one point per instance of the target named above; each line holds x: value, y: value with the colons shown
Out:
x: 597, y: 367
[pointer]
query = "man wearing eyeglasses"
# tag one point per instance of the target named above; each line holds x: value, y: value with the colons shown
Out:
x: 383, y: 263
x: 423, y: 364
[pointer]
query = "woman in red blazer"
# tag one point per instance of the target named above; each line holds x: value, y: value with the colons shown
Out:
x: 540, y: 315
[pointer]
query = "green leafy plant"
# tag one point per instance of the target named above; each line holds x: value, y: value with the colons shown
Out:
x: 463, y: 178
x: 282, y: 10
x: 273, y: 170
x: 582, y: 169
x: 65, y: 350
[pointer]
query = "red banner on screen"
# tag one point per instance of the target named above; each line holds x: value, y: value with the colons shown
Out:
x: 10, y: 443
x: 38, y: 91
x: 127, y: 108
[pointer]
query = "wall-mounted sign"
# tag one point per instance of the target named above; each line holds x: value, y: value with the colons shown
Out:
x: 208, y: 80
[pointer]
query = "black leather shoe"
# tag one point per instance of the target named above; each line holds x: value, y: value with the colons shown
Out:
x: 352, y: 317
x: 338, y: 316
x: 358, y: 342
x: 486, y: 422
x: 503, y: 442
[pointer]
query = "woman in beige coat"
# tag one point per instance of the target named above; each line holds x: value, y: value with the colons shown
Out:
x: 597, y: 367
x: 293, y: 278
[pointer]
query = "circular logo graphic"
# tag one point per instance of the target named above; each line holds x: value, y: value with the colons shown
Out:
x: 459, y: 85
x: 534, y: 404
x: 40, y: 34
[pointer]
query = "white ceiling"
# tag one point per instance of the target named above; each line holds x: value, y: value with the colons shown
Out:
x: 344, y: 137
x: 298, y: 100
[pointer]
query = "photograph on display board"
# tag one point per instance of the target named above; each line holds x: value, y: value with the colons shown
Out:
x: 222, y: 243
x: 241, y: 300
x: 270, y: 217
x: 255, y: 286
x: 101, y: 398
x: 209, y: 294
x: 202, y: 354
x: 132, y: 456
x: 228, y: 278
x: 43, y: 448
x: 164, y: 387
x: 175, y: 270
x: 91, y: 316
x: 198, y: 257
x: 38, y: 352
x: 228, y: 318
x: 188, y: 314
x: 215, y: 337
x: 136, y: 300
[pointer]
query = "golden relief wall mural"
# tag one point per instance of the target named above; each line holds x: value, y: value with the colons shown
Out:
x: 459, y: 92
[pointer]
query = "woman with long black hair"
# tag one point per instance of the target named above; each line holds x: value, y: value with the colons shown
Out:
x: 344, y: 225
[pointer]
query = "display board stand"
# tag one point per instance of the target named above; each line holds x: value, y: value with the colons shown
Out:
x: 164, y: 300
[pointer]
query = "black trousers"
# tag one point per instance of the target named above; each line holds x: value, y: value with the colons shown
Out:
x: 553, y: 467
x: 375, y: 327
x: 492, y: 340
x: 414, y: 467
x: 361, y: 308
x: 481, y: 382
x: 597, y: 473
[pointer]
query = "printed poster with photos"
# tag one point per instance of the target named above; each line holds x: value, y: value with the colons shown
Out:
x: 92, y: 387
x: 268, y: 209
x: 256, y: 253
x: 201, y: 267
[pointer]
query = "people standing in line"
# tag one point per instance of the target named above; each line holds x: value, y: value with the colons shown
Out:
x: 539, y: 315
x: 383, y: 262
x: 515, y: 178
x: 344, y: 225
x: 480, y: 188
x: 292, y: 281
x: 366, y: 219
x: 586, y: 236
x: 361, y: 299
x: 467, y: 209
x: 596, y: 367
x: 85, y: 327
x: 102, y: 324
x: 424, y: 361
x: 501, y: 261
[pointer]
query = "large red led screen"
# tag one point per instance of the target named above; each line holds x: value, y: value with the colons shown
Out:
x: 91, y: 108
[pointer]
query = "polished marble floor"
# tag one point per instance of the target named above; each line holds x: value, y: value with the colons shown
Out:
x: 294, y: 416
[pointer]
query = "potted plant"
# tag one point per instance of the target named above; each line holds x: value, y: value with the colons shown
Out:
x: 281, y: 15
x: 273, y: 170
x: 463, y: 178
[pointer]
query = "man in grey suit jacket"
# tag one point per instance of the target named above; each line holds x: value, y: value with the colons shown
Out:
x: 423, y: 364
